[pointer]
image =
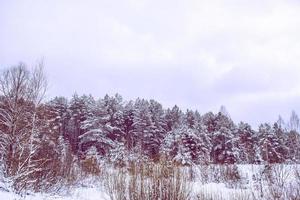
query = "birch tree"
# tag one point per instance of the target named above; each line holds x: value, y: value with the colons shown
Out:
x: 22, y: 91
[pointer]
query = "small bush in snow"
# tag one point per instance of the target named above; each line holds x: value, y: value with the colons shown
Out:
x: 232, y: 177
x: 148, y: 182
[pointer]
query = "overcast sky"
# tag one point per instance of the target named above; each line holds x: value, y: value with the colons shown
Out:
x: 244, y: 54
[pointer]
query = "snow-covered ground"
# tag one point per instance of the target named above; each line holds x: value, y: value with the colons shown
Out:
x: 77, y: 194
x: 91, y: 189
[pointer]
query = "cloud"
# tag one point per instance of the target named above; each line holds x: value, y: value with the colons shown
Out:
x: 199, y: 54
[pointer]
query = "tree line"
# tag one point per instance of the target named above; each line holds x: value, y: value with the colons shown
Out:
x: 43, y: 140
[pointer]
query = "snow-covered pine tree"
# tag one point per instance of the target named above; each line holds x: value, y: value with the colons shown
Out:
x: 187, y: 143
x: 142, y: 125
x: 80, y: 109
x: 118, y: 154
x: 270, y: 146
x: 204, y: 141
x: 127, y: 126
x: 222, y: 138
x: 282, y: 147
x: 209, y: 121
x: 173, y: 118
x: 245, y: 143
x: 292, y: 142
x: 186, y: 146
x: 156, y: 131
x: 189, y: 119
x: 103, y: 126
x: 57, y: 117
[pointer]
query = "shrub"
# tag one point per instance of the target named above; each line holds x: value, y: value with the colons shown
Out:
x: 276, y: 177
x: 148, y: 182
x: 232, y: 177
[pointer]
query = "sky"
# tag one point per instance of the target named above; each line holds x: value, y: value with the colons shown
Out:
x: 244, y: 54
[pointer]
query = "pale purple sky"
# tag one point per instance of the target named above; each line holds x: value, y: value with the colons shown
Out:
x: 193, y: 53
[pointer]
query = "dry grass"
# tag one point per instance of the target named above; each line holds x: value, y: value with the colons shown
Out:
x: 148, y: 182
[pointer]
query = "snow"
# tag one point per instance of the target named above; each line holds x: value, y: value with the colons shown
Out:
x: 77, y: 194
x: 92, y: 189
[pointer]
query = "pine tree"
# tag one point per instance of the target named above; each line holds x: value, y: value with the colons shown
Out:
x: 80, y: 109
x: 246, y: 144
x: 173, y: 118
x: 205, y: 139
x: 209, y: 121
x: 187, y: 146
x: 223, y: 140
x: 58, y: 116
x: 127, y: 126
x: 269, y: 145
x: 292, y: 142
x: 103, y: 125
x: 142, y: 124
x: 189, y: 119
x: 156, y: 131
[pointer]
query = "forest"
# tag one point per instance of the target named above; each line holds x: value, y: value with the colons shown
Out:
x: 43, y: 142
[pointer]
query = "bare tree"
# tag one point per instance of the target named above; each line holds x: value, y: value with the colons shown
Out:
x: 14, y: 91
x: 280, y: 122
x: 294, y: 123
x: 37, y: 90
x: 21, y: 92
x: 224, y: 111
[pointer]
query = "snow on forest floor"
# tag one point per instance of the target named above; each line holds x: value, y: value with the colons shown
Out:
x: 77, y: 194
x: 81, y: 193
x: 92, y: 189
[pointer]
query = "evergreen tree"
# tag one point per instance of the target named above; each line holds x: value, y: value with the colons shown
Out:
x: 127, y: 126
x: 58, y: 116
x: 80, y: 109
x: 173, y: 118
x: 269, y: 144
x: 246, y: 144
x: 223, y: 140
x: 292, y: 142
x: 142, y: 124
x: 103, y: 125
x: 190, y: 119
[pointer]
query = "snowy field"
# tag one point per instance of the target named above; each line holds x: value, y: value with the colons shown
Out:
x: 77, y: 194
x: 204, y: 186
